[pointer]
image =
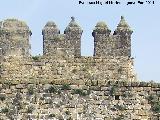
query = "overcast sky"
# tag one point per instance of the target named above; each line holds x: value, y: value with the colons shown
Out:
x: 143, y: 19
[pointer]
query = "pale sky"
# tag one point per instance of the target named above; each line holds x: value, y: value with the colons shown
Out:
x: 143, y: 19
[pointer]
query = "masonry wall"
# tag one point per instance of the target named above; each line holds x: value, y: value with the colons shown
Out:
x: 67, y: 45
x: 62, y: 84
x: 78, y: 70
x: 116, y: 44
x: 110, y: 101
x: 14, y: 38
x: 62, y: 59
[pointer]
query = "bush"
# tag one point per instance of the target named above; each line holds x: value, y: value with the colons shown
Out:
x: 113, y: 90
x: 67, y: 112
x: 2, y: 97
x: 52, y: 89
x: 152, y: 98
x: 65, y: 87
x: 35, y: 58
x: 120, y: 107
x: 74, y: 71
x: 127, y: 94
x: 30, y: 90
x: 80, y: 92
x: 52, y: 115
x: 30, y: 109
x: 156, y: 107
x: 4, y: 110
x: 121, y: 117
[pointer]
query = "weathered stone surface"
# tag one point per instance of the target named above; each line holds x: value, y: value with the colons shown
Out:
x: 62, y: 84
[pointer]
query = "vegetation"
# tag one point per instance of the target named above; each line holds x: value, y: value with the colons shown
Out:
x: 30, y: 90
x: 156, y: 107
x: 121, y: 117
x: 74, y: 71
x: 113, y: 90
x: 67, y: 112
x: 4, y: 110
x: 0, y: 66
x: 52, y: 115
x: 69, y: 118
x: 2, y: 97
x: 153, y: 99
x: 81, y: 92
x: 120, y: 107
x: 30, y: 109
x: 127, y: 94
x: 35, y: 58
x: 52, y: 89
x: 65, y: 87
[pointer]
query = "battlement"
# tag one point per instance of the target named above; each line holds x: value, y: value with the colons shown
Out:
x: 69, y: 43
x: 62, y: 84
x: 14, y: 39
x: 61, y: 59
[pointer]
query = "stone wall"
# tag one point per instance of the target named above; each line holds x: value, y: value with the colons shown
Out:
x: 62, y: 58
x: 116, y: 44
x: 14, y: 38
x: 64, y: 45
x: 107, y: 101
x: 79, y: 70
x: 62, y: 84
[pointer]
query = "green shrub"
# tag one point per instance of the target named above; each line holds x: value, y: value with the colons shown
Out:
x: 30, y: 90
x: 65, y: 87
x: 127, y: 94
x: 0, y: 66
x: 69, y: 118
x: 2, y: 97
x: 120, y: 107
x: 152, y: 99
x: 84, y: 69
x: 113, y: 90
x: 156, y: 107
x: 52, y: 115
x: 67, y: 112
x: 74, y: 71
x: 59, y: 92
x: 80, y: 92
x: 30, y: 109
x: 4, y: 110
x: 52, y: 89
x: 35, y: 58
x: 121, y: 117
x: 88, y: 92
